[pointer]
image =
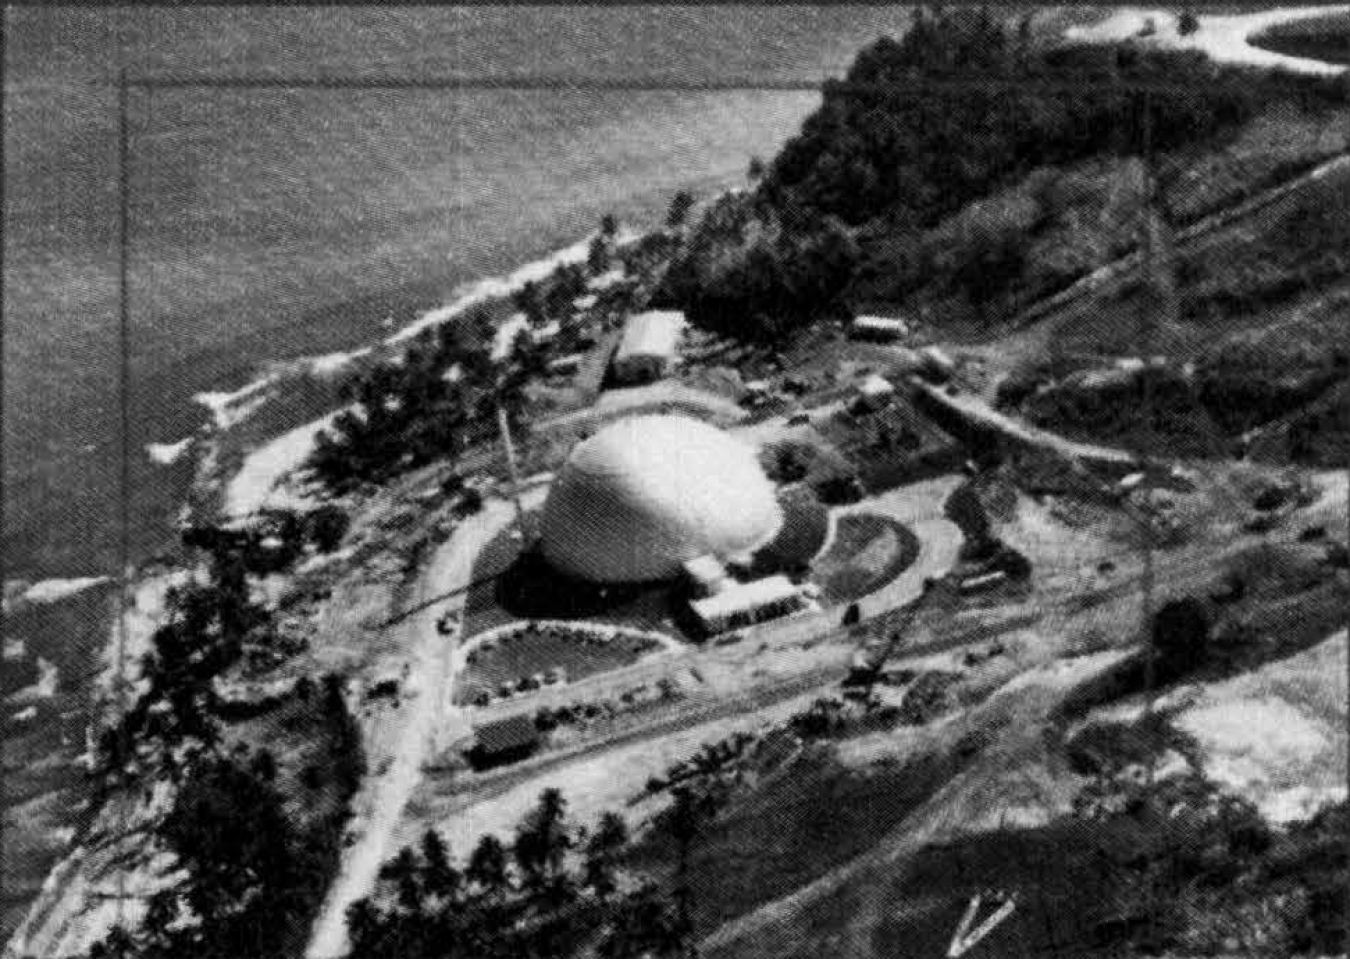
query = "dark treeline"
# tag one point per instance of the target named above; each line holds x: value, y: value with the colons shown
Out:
x: 877, y: 149
x: 917, y: 132
x: 253, y: 869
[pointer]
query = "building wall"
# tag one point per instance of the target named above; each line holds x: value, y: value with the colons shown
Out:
x: 640, y: 368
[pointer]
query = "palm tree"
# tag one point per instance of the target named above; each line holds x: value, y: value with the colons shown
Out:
x: 403, y: 871
x: 439, y: 876
x: 487, y: 866
x: 687, y: 816
x: 602, y: 851
x: 542, y: 840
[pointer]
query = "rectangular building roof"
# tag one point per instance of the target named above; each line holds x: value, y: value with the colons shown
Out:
x: 875, y: 385
x: 654, y: 333
x: 739, y: 596
x: 885, y: 324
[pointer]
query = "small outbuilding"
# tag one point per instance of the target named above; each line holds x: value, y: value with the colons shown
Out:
x: 547, y: 333
x: 649, y: 346
x: 873, y: 392
x: 882, y: 329
x: 566, y: 365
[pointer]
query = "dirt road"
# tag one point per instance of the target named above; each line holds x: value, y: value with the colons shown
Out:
x: 379, y: 804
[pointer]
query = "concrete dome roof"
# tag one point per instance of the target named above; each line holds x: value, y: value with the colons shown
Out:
x: 646, y: 493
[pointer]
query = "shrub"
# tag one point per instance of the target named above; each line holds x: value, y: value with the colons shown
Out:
x: 326, y: 526
x: 1181, y: 634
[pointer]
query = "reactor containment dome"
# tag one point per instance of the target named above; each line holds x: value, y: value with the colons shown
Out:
x: 645, y: 494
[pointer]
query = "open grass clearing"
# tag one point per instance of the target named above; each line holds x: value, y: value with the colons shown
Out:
x: 541, y: 648
x: 1325, y: 38
x: 868, y: 551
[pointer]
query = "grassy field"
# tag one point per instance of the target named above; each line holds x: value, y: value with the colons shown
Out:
x: 867, y: 552
x: 817, y: 816
x: 1318, y: 38
x: 532, y: 650
x: 805, y: 526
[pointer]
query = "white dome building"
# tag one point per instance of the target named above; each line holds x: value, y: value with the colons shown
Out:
x: 647, y: 493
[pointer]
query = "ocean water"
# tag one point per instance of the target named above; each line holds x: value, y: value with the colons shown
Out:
x: 266, y: 224
x: 272, y: 223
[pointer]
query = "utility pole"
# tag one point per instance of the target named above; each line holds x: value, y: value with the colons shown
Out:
x: 504, y: 427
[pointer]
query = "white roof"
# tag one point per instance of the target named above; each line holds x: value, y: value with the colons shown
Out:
x: 881, y: 323
x: 586, y: 302
x: 647, y: 493
x: 751, y: 595
x: 546, y: 332
x: 571, y: 359
x: 654, y: 333
x: 607, y: 279
x: 876, y: 385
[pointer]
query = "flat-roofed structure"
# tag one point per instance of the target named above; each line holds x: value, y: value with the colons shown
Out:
x: 649, y: 346
x: 744, y: 604
x: 880, y: 328
x: 873, y: 392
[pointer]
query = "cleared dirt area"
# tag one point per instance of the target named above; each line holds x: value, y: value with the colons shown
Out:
x: 1278, y: 734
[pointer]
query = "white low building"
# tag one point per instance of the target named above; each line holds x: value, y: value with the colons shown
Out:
x: 883, y: 328
x: 649, y: 347
x: 744, y: 604
x: 873, y: 392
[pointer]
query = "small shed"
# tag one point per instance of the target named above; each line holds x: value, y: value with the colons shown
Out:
x: 539, y: 335
x: 873, y: 392
x: 879, y: 328
x: 504, y: 741
x: 566, y: 365
x: 649, y: 346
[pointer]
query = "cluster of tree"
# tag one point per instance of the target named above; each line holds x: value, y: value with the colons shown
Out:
x: 253, y: 874
x: 1204, y: 874
x: 439, y: 400
x: 274, y: 538
x: 887, y: 142
x: 555, y: 891
x: 760, y: 274
x: 209, y: 628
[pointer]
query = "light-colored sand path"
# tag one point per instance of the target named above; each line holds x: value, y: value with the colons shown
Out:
x: 380, y: 801
x: 1225, y: 38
